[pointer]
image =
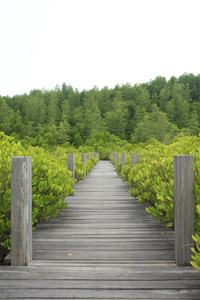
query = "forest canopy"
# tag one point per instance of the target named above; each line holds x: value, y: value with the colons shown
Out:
x: 64, y: 116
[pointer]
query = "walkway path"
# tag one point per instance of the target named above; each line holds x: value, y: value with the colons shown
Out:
x: 103, y: 246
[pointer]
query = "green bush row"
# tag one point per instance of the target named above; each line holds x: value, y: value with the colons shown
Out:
x: 152, y: 182
x: 51, y: 183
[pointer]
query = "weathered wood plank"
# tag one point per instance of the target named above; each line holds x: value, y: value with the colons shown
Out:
x: 105, y: 244
x: 112, y: 225
x: 100, y: 284
x: 152, y: 255
x: 117, y: 272
x: 102, y: 293
x: 136, y: 234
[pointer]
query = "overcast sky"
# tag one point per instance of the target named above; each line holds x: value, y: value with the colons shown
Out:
x: 95, y: 42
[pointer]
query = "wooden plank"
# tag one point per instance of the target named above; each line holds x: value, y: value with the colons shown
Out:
x: 139, y: 233
x: 88, y: 227
x: 117, y: 272
x: 105, y: 245
x: 100, y: 293
x: 100, y: 284
x: 152, y: 255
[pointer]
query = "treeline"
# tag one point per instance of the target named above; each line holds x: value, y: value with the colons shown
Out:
x: 158, y: 109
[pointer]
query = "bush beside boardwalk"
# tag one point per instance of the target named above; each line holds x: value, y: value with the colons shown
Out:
x: 51, y: 183
x: 152, y: 181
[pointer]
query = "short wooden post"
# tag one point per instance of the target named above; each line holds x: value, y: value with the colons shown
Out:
x: 118, y: 158
x: 111, y: 157
x: 71, y: 167
x: 21, y: 211
x: 83, y: 159
x: 114, y: 158
x: 184, y: 208
x: 123, y: 159
x: 134, y: 159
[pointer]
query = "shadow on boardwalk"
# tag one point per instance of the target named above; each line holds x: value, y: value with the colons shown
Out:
x: 103, y: 246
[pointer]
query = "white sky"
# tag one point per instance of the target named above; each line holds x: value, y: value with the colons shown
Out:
x: 95, y: 42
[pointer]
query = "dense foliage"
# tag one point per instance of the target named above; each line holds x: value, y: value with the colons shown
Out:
x: 152, y: 182
x: 51, y: 182
x: 158, y: 109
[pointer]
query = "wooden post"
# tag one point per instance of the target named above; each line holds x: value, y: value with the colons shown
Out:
x: 70, y: 164
x: 134, y: 159
x: 114, y: 158
x: 71, y: 167
x: 123, y: 159
x: 83, y: 159
x: 88, y: 156
x: 111, y: 157
x: 118, y: 158
x: 21, y: 211
x: 184, y: 208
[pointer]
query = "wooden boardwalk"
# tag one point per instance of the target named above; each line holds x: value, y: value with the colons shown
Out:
x: 103, y: 246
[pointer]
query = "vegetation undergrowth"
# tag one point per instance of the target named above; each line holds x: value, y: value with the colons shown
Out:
x: 51, y: 183
x: 151, y: 181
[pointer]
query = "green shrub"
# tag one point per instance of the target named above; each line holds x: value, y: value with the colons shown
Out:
x: 196, y: 257
x: 51, y: 182
x: 151, y: 181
